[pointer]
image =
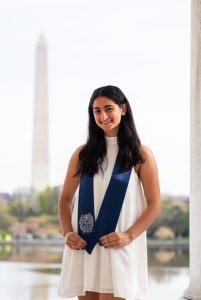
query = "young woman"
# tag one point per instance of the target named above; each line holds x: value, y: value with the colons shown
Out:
x: 104, y: 225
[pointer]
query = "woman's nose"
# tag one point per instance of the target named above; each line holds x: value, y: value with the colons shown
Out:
x: 103, y: 115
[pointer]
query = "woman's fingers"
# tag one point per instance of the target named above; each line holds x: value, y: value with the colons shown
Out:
x: 81, y: 240
x: 74, y: 241
x: 111, y: 244
x: 109, y: 238
x: 71, y: 245
x: 114, y: 239
x: 74, y: 245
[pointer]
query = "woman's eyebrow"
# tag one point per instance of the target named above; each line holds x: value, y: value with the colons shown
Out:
x: 109, y: 105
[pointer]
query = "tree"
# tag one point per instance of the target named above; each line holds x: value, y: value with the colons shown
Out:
x: 174, y: 217
x: 48, y: 200
x: 6, y: 220
x: 20, y: 209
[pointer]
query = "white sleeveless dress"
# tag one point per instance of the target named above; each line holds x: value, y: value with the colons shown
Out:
x: 123, y: 271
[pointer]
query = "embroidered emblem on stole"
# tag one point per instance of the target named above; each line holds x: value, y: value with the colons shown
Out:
x: 86, y: 223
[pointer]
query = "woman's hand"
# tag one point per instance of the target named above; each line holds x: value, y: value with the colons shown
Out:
x: 74, y: 241
x: 116, y: 239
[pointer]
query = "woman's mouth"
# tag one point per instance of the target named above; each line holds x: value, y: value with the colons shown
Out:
x: 106, y: 122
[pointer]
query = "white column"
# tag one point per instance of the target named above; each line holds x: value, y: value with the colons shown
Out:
x: 194, y: 289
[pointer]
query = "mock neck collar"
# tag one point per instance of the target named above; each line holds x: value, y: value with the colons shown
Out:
x: 111, y: 139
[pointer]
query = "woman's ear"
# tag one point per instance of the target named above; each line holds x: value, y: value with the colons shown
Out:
x: 124, y: 109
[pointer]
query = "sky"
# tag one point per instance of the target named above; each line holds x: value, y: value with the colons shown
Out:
x: 143, y: 47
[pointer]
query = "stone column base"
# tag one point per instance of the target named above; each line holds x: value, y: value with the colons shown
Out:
x: 189, y: 298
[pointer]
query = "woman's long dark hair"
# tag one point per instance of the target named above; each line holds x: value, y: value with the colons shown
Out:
x: 92, y: 154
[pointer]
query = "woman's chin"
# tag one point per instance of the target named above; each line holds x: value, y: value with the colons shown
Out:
x: 107, y: 127
x: 110, y: 131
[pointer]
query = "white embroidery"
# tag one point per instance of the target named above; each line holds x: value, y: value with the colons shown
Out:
x: 86, y: 223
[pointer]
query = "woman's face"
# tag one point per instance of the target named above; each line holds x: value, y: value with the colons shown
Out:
x: 107, y: 115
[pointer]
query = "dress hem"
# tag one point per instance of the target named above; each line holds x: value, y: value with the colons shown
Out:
x: 83, y: 293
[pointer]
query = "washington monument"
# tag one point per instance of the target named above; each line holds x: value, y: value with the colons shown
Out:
x: 40, y: 160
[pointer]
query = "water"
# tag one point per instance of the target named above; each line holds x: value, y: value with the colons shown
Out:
x: 32, y: 273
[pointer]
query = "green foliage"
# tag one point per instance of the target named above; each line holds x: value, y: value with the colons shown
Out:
x: 173, y: 216
x: 20, y: 209
x: 44, y: 221
x: 4, y: 208
x: 6, y: 221
x: 48, y: 201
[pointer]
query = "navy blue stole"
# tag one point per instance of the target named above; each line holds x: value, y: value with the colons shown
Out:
x: 90, y: 229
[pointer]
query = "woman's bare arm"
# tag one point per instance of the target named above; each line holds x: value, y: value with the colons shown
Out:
x: 150, y: 182
x: 67, y: 194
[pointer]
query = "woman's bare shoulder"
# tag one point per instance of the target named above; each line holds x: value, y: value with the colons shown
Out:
x: 73, y: 163
x: 75, y: 155
x: 149, y: 165
x: 78, y: 149
x: 148, y: 157
x: 149, y: 177
x: 146, y: 152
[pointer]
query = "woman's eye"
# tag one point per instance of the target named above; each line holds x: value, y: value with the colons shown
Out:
x: 96, y: 111
x: 109, y: 109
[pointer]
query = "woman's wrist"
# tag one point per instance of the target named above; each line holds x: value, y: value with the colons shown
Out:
x: 130, y: 235
x: 66, y: 236
x: 66, y: 231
